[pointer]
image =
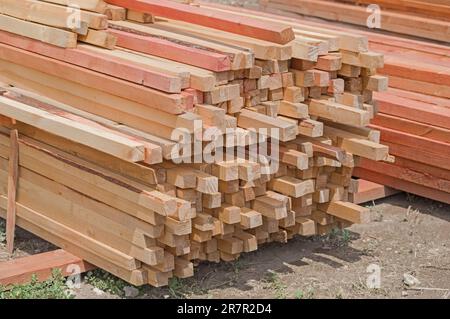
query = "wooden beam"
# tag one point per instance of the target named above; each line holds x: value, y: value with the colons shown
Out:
x: 13, y: 175
x: 347, y: 40
x: 390, y: 21
x: 99, y: 38
x: 87, y: 77
x: 413, y: 109
x: 240, y: 58
x: 54, y: 36
x: 172, y: 51
x: 348, y: 211
x: 109, y: 143
x: 52, y: 15
x: 269, y: 31
x: 368, y: 191
x: 20, y: 271
x: 96, y: 61
x: 262, y: 49
x: 90, y: 5
x: 339, y: 113
x: 400, y: 184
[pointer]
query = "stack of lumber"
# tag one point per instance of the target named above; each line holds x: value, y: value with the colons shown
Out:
x: 110, y: 142
x: 425, y: 19
x: 61, y: 23
x: 414, y: 114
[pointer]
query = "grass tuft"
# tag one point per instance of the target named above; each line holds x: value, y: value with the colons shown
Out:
x: 53, y: 288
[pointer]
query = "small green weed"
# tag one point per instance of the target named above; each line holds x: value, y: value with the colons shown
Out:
x: 53, y: 288
x: 176, y: 288
x: 300, y: 294
x: 274, y: 283
x: 106, y: 282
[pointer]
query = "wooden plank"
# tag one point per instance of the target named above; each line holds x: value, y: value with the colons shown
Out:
x: 141, y: 17
x: 368, y: 191
x: 42, y: 13
x: 95, y: 60
x: 158, y: 133
x: 412, y: 127
x: 424, y: 8
x: 115, y: 13
x: 51, y: 14
x: 70, y: 235
x: 109, y: 143
x: 87, y: 77
x: 54, y: 36
x: 70, y: 173
x: 167, y: 49
x: 136, y: 276
x: 390, y: 21
x: 90, y: 5
x: 99, y: 38
x: 248, y: 119
x: 405, y: 186
x: 411, y: 109
x: 262, y: 49
x: 13, y: 175
x: 219, y: 57
x: 407, y: 174
x: 20, y: 271
x: 439, y: 90
x: 347, y: 211
x: 414, y: 141
x: 347, y: 40
x: 339, y: 113
x: 268, y: 31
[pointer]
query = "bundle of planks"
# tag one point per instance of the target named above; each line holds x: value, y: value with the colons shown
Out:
x: 61, y: 23
x: 414, y: 120
x: 413, y: 114
x: 426, y: 19
x: 111, y: 144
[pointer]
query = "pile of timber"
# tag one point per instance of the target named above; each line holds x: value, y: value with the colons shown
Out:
x: 425, y: 19
x: 414, y: 120
x: 61, y: 23
x: 96, y: 132
x: 414, y: 114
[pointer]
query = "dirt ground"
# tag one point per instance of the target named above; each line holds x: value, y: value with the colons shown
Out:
x: 408, y: 234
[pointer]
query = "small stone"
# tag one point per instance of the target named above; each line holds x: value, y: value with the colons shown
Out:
x: 404, y: 293
x: 131, y: 292
x: 166, y: 296
x: 98, y: 292
x: 410, y: 280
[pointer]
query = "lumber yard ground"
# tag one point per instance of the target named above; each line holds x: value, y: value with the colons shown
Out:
x: 408, y: 235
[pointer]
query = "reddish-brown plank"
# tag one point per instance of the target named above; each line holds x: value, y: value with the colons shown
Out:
x: 418, y: 155
x: 402, y: 185
x: 412, y: 127
x: 369, y: 191
x: 414, y: 141
x: 169, y: 50
x: 117, y: 67
x: 406, y: 174
x: 413, y: 110
x: 439, y: 172
x: 171, y: 103
x: 20, y: 271
x: 254, y: 28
